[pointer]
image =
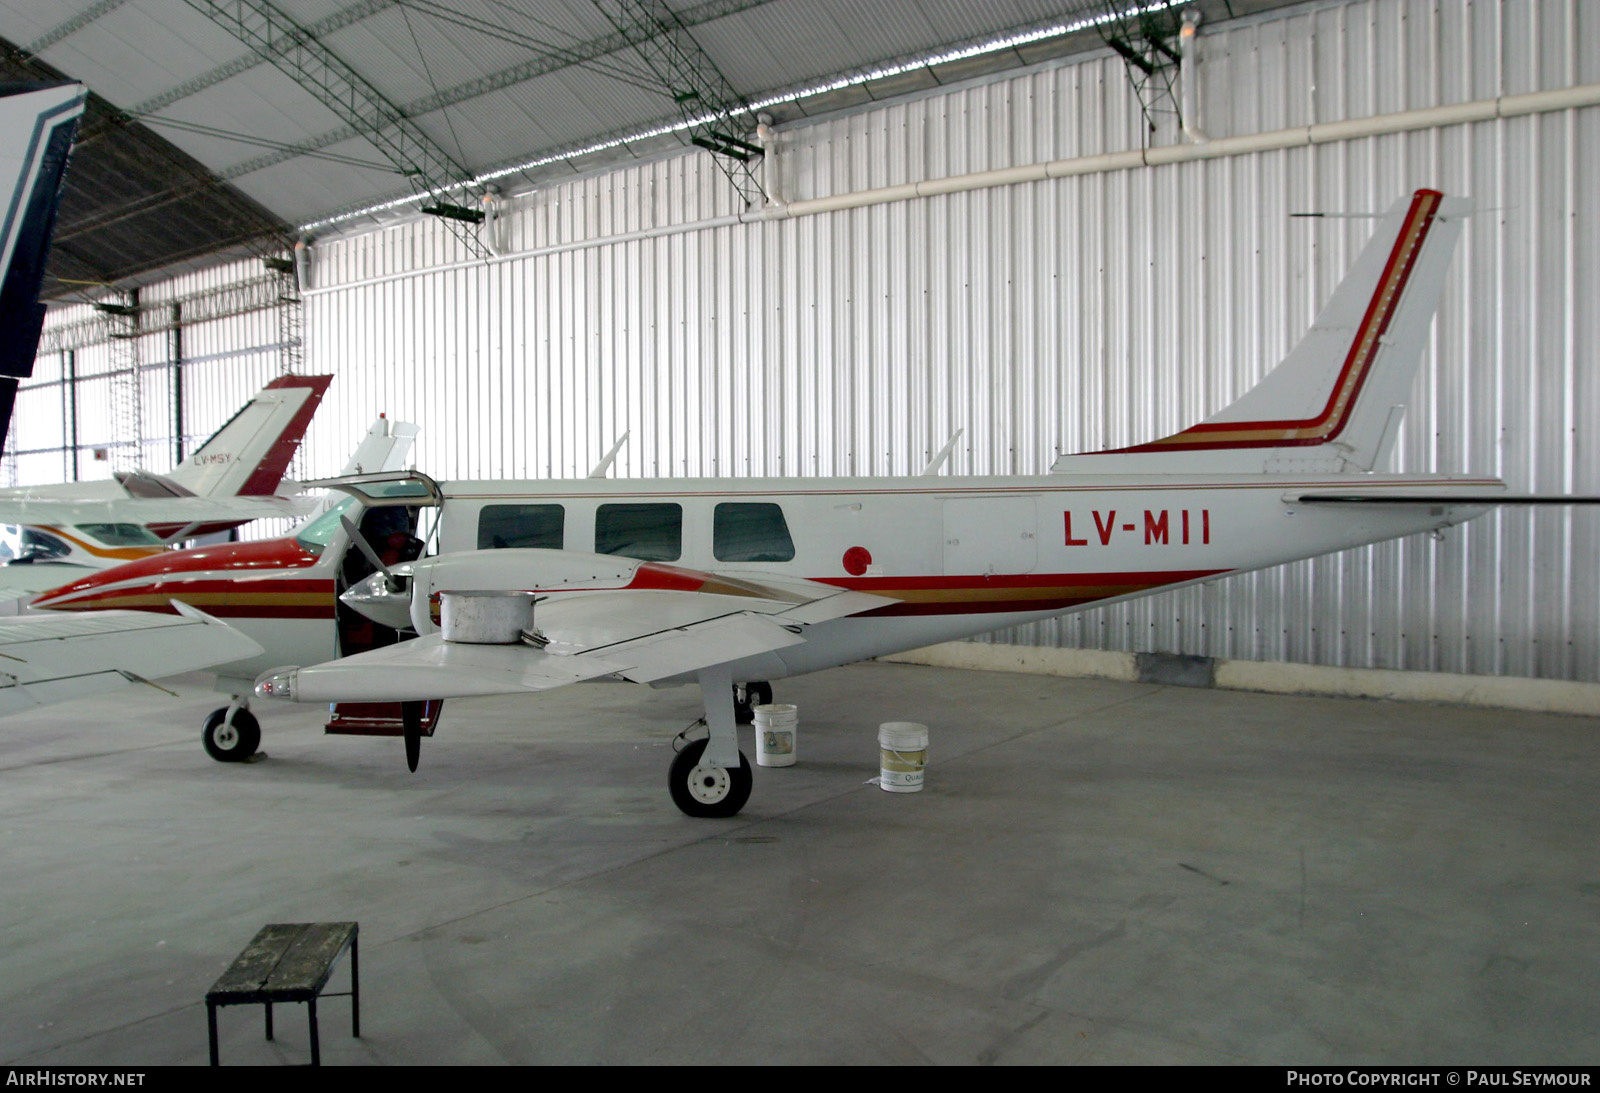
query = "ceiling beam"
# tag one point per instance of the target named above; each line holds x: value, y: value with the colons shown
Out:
x: 706, y: 101
x: 71, y: 26
x: 555, y: 61
x: 355, y: 13
x: 290, y: 48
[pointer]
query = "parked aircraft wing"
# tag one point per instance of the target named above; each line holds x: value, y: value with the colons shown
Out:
x: 639, y: 634
x: 430, y: 667
x: 45, y: 658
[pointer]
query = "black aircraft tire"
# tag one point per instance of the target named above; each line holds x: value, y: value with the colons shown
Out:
x: 231, y: 745
x: 707, y: 792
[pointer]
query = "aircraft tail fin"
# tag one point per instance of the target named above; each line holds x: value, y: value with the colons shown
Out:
x: 37, y: 125
x: 384, y: 448
x: 1335, y: 402
x: 249, y: 454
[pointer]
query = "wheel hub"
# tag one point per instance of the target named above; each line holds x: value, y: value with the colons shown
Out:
x: 226, y: 736
x: 709, y: 784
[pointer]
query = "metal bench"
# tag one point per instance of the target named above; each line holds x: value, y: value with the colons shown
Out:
x: 289, y: 962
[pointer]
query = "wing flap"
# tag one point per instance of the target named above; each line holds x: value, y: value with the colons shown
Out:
x: 430, y: 667
x: 580, y: 622
x: 716, y: 641
x: 837, y: 606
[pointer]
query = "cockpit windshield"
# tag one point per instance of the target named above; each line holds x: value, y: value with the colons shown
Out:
x: 316, y: 534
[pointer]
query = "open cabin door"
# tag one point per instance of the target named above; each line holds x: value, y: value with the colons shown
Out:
x: 399, y: 519
x: 990, y: 535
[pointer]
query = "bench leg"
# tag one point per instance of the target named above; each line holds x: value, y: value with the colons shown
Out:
x: 316, y: 1048
x: 269, y: 1020
x: 355, y: 989
x: 211, y: 1031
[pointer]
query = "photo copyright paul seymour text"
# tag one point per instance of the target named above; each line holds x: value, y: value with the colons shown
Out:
x: 1460, y: 1077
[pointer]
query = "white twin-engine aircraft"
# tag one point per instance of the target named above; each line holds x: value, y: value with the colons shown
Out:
x: 731, y: 583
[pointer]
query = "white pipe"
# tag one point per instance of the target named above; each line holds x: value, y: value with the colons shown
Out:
x: 1188, y: 57
x: 302, y: 265
x: 1507, y: 106
x: 769, y: 163
x: 491, y: 224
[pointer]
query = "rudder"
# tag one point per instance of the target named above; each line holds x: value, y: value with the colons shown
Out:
x: 1334, y: 403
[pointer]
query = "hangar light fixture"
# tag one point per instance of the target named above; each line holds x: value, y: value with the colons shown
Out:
x: 991, y: 45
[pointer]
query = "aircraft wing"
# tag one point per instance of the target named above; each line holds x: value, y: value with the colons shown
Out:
x: 48, y: 512
x: 48, y: 658
x: 643, y: 635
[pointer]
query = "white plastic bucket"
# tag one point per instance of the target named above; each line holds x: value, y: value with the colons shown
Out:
x: 485, y: 618
x: 777, y: 727
x: 903, y: 755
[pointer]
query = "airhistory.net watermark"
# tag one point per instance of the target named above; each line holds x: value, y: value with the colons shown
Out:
x: 47, y: 1077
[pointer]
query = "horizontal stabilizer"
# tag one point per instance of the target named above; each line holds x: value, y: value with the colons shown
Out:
x: 1398, y: 497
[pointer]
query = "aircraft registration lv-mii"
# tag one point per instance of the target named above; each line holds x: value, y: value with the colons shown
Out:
x: 732, y: 583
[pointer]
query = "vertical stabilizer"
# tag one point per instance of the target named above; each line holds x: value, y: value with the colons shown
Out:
x: 37, y: 124
x: 1334, y: 403
x: 384, y: 448
x: 250, y: 453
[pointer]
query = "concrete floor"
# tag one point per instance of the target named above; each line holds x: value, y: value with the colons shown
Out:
x: 1096, y: 872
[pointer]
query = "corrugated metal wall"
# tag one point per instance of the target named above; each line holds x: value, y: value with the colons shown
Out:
x: 225, y: 362
x: 1067, y: 315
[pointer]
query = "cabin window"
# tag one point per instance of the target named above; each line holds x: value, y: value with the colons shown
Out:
x: 502, y: 527
x: 652, y: 533
x: 750, y: 532
x: 120, y: 535
x: 42, y: 547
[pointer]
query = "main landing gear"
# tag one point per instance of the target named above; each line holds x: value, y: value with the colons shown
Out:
x: 747, y: 697
x: 704, y: 790
x: 710, y: 778
x: 231, y: 734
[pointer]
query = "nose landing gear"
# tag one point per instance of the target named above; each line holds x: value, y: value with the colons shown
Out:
x: 231, y: 734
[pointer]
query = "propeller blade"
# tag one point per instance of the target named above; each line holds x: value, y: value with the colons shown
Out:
x: 394, y: 583
x: 411, y: 722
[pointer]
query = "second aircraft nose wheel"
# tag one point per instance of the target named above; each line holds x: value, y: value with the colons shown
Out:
x: 703, y: 790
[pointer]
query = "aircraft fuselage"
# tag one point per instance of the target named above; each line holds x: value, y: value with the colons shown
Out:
x: 958, y: 556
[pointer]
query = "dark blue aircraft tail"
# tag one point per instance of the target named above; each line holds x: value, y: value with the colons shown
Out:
x: 37, y: 125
